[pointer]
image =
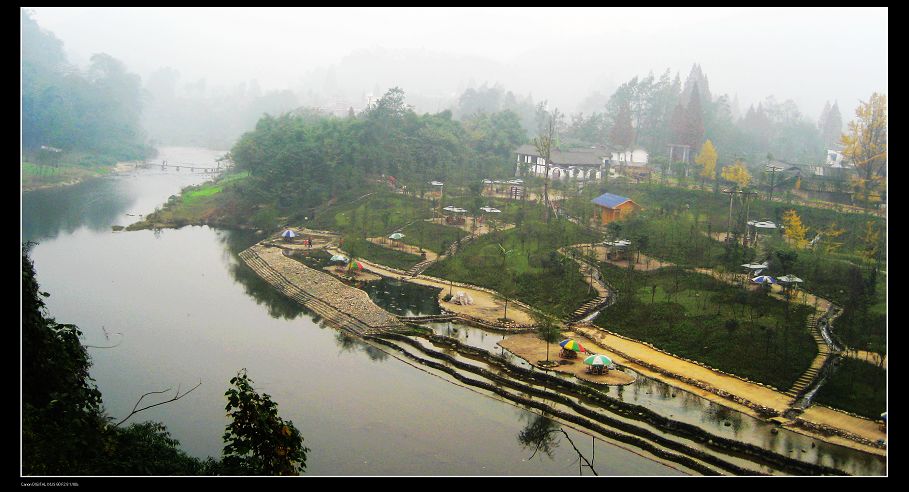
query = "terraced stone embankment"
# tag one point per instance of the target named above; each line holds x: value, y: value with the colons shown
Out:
x: 346, y: 307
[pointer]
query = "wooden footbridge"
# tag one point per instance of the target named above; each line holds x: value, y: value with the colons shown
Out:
x: 219, y: 166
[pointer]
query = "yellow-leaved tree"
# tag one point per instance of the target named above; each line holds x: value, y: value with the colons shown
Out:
x: 828, y: 237
x: 794, y: 230
x: 866, y: 145
x: 707, y: 160
x: 738, y: 174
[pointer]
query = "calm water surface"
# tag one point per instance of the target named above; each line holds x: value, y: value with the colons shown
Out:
x: 180, y: 308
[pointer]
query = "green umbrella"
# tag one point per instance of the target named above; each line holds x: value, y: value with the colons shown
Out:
x: 396, y: 235
x: 598, y: 360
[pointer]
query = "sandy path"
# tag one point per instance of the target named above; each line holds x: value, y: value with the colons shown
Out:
x: 645, y: 263
x: 467, y: 226
x: 403, y: 247
x: 532, y: 349
x: 865, y: 428
x: 869, y: 357
x: 629, y: 353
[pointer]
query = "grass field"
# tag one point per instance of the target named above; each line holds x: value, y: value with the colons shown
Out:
x: 532, y: 270
x: 433, y: 237
x: 698, y: 317
x: 857, y: 387
x: 361, y: 248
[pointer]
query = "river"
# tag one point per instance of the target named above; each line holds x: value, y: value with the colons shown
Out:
x: 177, y: 307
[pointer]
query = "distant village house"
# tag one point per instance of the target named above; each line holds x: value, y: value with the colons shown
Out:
x: 589, y: 164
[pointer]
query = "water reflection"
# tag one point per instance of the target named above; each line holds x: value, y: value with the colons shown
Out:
x: 717, y: 419
x: 540, y: 435
x: 403, y: 298
x: 278, y: 305
x: 349, y: 343
x: 93, y: 204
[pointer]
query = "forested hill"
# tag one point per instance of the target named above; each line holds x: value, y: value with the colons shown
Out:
x: 92, y: 114
x: 298, y: 161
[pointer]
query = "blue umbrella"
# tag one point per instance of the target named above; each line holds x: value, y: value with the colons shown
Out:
x: 764, y: 279
x: 288, y: 233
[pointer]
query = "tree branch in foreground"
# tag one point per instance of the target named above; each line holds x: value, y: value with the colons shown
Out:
x: 176, y: 397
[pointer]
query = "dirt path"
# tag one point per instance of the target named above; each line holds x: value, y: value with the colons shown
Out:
x: 867, y: 429
x: 403, y: 247
x: 869, y: 357
x: 467, y: 226
x: 532, y: 349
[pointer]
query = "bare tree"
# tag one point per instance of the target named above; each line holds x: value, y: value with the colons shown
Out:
x: 176, y: 397
x: 543, y: 144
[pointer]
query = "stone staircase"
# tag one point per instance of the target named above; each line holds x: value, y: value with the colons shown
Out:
x: 587, y: 308
x: 419, y: 268
x: 588, y: 271
x: 804, y: 381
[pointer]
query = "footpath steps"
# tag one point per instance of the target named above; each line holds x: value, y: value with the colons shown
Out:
x: 592, y: 275
x: 807, y: 378
x: 419, y: 268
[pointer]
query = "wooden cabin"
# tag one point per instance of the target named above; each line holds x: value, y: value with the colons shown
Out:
x: 614, y: 207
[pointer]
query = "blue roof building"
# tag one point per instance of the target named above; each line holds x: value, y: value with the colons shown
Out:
x: 615, y: 207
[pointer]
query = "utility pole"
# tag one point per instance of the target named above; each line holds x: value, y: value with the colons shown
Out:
x: 731, y: 194
x: 773, y: 169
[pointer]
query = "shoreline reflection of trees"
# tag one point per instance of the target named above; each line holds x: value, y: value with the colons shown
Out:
x: 262, y: 292
x: 541, y: 433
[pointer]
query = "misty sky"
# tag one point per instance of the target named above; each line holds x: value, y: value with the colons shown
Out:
x: 562, y: 55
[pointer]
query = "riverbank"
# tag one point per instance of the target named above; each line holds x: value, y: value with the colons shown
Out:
x: 751, y: 398
x: 46, y: 177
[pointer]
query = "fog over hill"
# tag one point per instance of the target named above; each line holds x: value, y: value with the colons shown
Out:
x: 572, y: 58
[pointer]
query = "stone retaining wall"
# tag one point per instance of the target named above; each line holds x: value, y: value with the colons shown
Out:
x: 347, y: 300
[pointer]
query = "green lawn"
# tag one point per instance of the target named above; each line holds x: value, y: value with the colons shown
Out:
x: 700, y: 318
x: 857, y: 387
x: 532, y: 270
x: 430, y: 236
x: 376, y: 215
x: 361, y: 248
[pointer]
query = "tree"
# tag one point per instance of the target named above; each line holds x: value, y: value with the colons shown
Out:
x: 694, y: 120
x: 543, y: 143
x: 258, y: 441
x: 793, y: 229
x: 738, y: 174
x: 547, y: 329
x: 831, y: 124
x: 866, y: 145
x: 707, y: 160
x: 622, y: 133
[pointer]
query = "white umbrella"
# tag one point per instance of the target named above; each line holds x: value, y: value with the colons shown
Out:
x: 288, y: 233
x: 755, y: 266
x: 790, y: 279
